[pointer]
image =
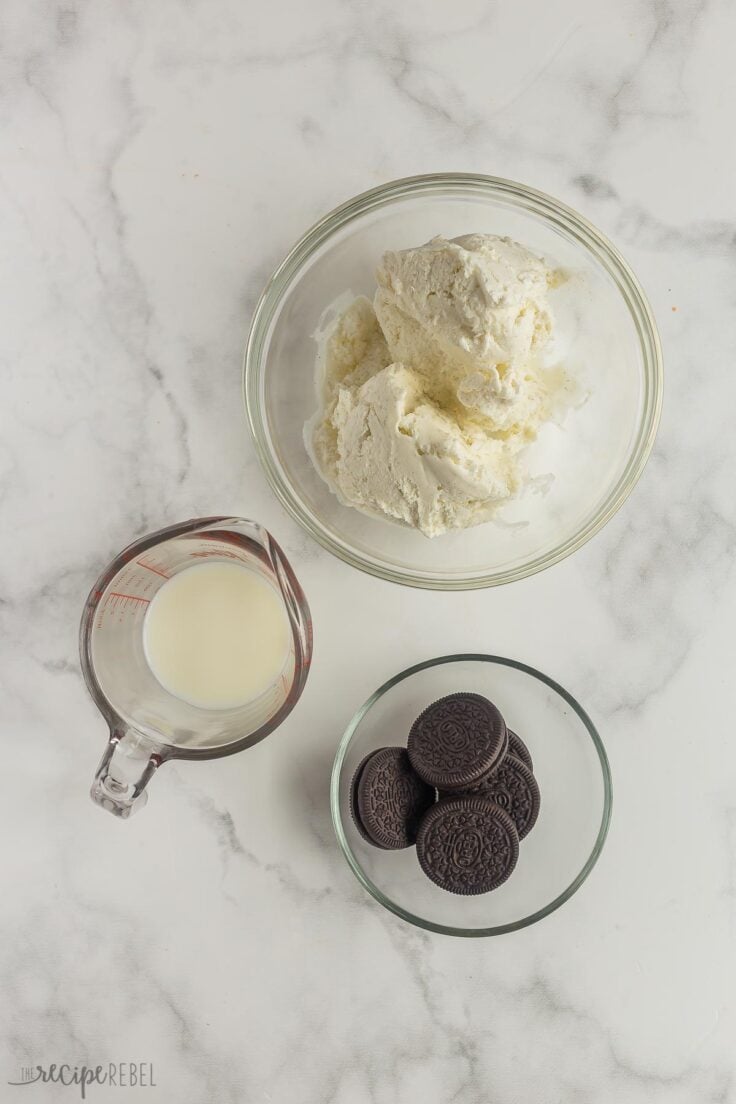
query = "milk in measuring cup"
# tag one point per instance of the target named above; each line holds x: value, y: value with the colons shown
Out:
x: 216, y: 635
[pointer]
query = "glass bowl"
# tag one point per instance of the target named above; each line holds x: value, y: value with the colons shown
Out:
x: 570, y: 765
x: 606, y: 337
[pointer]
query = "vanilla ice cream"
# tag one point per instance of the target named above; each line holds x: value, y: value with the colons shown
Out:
x: 429, y: 394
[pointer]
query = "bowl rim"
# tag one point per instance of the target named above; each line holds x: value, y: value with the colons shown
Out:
x: 552, y: 210
x: 405, y: 914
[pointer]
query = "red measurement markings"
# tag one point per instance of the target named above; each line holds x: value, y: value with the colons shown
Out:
x: 131, y: 597
x: 155, y: 570
x: 219, y: 554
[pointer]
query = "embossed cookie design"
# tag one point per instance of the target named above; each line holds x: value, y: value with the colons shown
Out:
x: 457, y: 740
x: 390, y: 799
x: 354, y: 813
x: 515, y: 789
x: 467, y: 845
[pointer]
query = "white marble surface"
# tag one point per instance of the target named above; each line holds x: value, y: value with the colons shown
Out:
x: 157, y: 161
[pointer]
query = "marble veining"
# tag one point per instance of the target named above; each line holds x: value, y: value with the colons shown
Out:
x: 157, y: 162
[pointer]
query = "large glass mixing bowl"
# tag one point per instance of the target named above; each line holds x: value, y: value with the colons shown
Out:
x: 606, y: 337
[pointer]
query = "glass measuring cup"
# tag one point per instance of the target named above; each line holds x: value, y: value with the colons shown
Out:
x: 147, y: 724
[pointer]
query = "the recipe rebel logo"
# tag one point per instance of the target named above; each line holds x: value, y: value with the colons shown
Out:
x: 119, y: 1075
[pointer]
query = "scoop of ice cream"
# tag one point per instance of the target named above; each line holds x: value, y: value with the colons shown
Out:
x: 479, y: 299
x: 356, y: 349
x: 470, y: 315
x: 354, y: 352
x: 428, y: 395
x: 397, y: 454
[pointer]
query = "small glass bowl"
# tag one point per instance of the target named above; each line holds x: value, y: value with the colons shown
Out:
x: 607, y: 339
x: 570, y: 765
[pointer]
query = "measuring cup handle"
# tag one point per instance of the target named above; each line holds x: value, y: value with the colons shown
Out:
x: 125, y: 770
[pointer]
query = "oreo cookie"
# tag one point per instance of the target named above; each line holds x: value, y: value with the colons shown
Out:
x: 354, y: 813
x: 467, y: 845
x: 513, y: 786
x: 388, y: 799
x: 457, y: 741
x: 518, y: 748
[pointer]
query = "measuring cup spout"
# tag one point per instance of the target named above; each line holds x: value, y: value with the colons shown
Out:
x: 126, y: 768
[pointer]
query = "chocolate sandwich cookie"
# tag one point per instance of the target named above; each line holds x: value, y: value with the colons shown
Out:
x: 513, y: 786
x: 467, y: 845
x: 518, y: 748
x: 354, y: 813
x: 457, y: 741
x: 390, y: 799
